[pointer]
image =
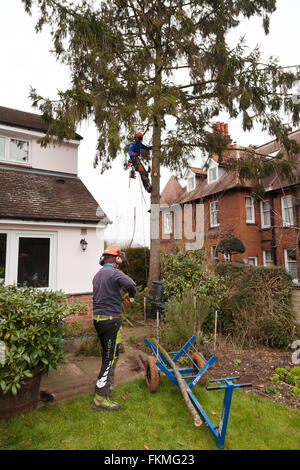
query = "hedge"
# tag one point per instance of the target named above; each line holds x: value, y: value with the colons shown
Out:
x: 138, y: 267
x: 257, y: 307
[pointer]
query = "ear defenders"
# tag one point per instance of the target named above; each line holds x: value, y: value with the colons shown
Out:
x: 114, y: 251
x: 118, y: 260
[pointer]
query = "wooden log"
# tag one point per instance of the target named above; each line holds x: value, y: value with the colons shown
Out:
x: 197, y: 420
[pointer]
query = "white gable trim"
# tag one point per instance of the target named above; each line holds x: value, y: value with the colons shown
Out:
x: 99, y: 224
x: 29, y: 132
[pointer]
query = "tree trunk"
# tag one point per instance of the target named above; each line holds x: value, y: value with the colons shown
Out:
x: 197, y: 420
x: 154, y: 264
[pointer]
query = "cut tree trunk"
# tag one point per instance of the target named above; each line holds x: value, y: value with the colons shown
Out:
x: 197, y: 420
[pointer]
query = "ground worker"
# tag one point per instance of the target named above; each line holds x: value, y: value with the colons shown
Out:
x: 134, y: 154
x: 107, y: 307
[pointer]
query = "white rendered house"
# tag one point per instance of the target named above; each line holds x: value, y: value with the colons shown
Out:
x: 51, y: 227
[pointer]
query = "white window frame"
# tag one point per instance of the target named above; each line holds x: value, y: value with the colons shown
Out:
x: 287, y: 221
x: 211, y: 179
x: 214, y: 214
x: 213, y: 253
x: 263, y: 212
x: 191, y: 182
x: 7, y: 158
x: 167, y: 217
x: 287, y: 261
x: 252, y: 209
x: 266, y: 262
x: 255, y: 260
x: 12, y: 251
x: 7, y: 233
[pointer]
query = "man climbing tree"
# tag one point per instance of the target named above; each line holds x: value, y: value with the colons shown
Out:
x: 134, y: 154
x: 167, y: 66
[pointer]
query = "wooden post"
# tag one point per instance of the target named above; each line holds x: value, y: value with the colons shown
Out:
x: 215, y: 336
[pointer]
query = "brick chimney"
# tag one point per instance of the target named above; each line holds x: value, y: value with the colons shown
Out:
x: 221, y: 127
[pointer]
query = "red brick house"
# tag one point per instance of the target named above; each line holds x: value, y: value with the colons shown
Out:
x: 214, y: 205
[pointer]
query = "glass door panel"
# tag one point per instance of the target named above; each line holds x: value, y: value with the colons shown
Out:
x: 33, y: 262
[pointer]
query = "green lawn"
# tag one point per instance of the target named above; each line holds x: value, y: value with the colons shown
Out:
x: 154, y: 421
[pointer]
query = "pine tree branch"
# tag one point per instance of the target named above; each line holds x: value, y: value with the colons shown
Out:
x: 140, y: 33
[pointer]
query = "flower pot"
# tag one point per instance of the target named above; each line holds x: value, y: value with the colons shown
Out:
x: 25, y: 400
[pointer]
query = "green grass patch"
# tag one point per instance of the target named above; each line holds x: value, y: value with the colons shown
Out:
x: 154, y: 421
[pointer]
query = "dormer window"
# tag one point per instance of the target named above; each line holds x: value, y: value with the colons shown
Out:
x: 191, y: 182
x: 14, y: 150
x: 212, y: 174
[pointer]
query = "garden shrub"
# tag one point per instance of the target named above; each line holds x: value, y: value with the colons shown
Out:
x: 136, y: 308
x: 138, y: 267
x: 193, y: 294
x: 257, y: 308
x: 230, y: 245
x: 288, y: 375
x: 31, y: 328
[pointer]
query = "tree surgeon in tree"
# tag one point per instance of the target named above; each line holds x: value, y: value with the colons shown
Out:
x: 134, y: 154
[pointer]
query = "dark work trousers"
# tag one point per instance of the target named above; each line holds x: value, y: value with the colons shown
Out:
x: 109, y: 333
x: 138, y: 166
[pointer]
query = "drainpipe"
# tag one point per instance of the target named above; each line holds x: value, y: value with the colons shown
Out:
x: 273, y: 242
x: 297, y: 204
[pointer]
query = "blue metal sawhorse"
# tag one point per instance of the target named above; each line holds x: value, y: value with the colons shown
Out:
x: 227, y: 385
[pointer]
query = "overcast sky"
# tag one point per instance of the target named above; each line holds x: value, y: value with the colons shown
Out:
x: 26, y: 61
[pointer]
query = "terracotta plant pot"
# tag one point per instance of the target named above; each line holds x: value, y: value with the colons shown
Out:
x: 26, y: 399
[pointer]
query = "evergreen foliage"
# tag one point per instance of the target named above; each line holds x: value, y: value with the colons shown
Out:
x: 257, y: 308
x: 31, y: 327
x: 230, y: 245
x: 124, y: 57
x: 192, y: 293
x: 138, y: 264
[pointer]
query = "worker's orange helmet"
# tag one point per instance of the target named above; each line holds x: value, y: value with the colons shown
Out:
x: 114, y: 251
x: 139, y: 136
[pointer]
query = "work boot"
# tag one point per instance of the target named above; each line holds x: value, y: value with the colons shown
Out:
x: 102, y: 403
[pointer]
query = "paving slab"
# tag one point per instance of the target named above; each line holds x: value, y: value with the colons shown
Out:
x: 79, y: 375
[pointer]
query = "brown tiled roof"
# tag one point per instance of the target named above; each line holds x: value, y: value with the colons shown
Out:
x: 24, y: 120
x: 228, y: 181
x: 33, y: 195
x: 171, y: 192
x: 198, y: 171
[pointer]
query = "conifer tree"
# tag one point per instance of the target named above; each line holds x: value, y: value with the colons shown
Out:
x: 141, y: 64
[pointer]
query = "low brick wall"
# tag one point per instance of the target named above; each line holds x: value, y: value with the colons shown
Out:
x: 87, y: 298
x: 296, y: 303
